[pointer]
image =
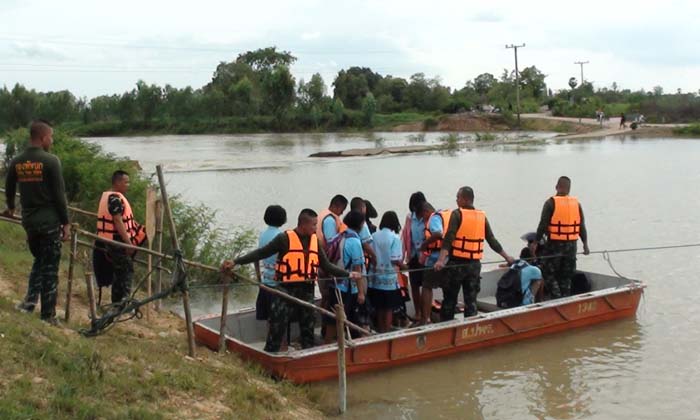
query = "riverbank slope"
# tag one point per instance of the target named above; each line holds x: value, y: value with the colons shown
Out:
x: 138, y: 369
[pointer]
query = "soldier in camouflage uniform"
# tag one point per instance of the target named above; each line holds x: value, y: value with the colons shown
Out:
x: 563, y: 223
x: 44, y: 215
x: 282, y: 309
x: 465, y: 252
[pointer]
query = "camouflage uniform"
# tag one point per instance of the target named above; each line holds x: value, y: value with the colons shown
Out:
x: 558, y: 267
x: 282, y: 311
x: 123, y: 273
x: 45, y: 246
x: 465, y: 274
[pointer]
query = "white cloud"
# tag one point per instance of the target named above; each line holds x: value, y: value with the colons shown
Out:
x: 636, y: 45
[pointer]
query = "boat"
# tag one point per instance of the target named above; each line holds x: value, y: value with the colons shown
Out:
x: 610, y: 298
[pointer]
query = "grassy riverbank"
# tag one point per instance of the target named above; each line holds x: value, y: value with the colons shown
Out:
x: 138, y: 370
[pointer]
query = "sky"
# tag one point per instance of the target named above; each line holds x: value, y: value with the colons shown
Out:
x: 96, y: 47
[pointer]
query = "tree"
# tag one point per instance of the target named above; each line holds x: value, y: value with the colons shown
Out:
x: 278, y: 88
x: 148, y: 99
x: 532, y: 83
x: 573, y: 83
x: 483, y: 83
x: 369, y: 108
x: 338, y: 110
x: 266, y: 59
x: 312, y: 93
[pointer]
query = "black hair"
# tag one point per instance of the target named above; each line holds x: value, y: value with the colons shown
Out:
x: 354, y: 220
x: 356, y: 203
x: 425, y: 206
x: 390, y: 220
x: 564, y: 178
x: 306, y: 213
x: 466, y: 192
x: 525, y: 253
x: 275, y: 215
x: 371, y: 211
x: 339, y: 200
x: 38, y: 129
x: 414, y: 203
x: 118, y: 174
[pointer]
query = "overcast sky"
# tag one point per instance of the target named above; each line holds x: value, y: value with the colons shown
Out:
x: 98, y: 47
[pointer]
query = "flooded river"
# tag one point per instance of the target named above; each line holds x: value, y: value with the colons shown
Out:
x: 635, y: 193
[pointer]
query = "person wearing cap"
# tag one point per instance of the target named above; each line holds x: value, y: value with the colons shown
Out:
x: 529, y: 252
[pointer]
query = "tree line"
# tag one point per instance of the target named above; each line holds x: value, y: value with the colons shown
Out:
x: 257, y: 92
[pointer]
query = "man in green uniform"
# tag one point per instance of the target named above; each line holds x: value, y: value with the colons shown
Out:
x: 464, y: 268
x: 563, y: 223
x: 44, y: 215
x: 281, y: 310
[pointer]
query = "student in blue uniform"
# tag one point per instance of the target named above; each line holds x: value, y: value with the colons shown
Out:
x: 275, y: 217
x: 383, y: 286
x: 351, y: 292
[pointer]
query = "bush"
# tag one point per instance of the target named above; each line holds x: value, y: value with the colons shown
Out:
x: 430, y: 123
x: 87, y: 172
x: 689, y: 130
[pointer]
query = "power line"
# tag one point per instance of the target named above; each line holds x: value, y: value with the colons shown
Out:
x: 581, y: 63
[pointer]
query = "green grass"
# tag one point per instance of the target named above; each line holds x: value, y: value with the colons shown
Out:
x: 131, y: 372
x: 689, y: 130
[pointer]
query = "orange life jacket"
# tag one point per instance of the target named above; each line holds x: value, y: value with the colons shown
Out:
x: 565, y: 224
x: 435, y: 246
x: 105, y: 221
x: 339, y: 225
x: 298, y: 264
x: 469, y: 240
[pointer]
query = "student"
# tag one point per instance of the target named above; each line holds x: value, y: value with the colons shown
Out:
x: 412, y: 237
x: 358, y: 204
x: 299, y: 255
x: 383, y: 287
x: 371, y: 214
x: 275, y: 217
x: 329, y: 223
x: 530, y: 281
x: 351, y: 291
x: 435, y: 228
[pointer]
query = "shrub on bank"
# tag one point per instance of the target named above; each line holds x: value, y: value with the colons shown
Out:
x: 87, y: 171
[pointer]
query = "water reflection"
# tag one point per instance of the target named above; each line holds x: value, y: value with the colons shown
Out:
x: 548, y: 377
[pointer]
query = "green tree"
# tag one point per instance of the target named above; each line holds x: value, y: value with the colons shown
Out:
x: 369, y: 109
x: 266, y: 59
x: 278, y: 88
x: 338, y: 110
x: 148, y: 99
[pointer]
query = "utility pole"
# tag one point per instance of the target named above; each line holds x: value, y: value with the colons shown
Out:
x: 517, y: 79
x: 581, y: 63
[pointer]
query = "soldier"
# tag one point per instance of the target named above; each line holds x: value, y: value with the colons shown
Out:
x: 299, y: 255
x: 562, y: 222
x: 115, y: 221
x: 464, y: 244
x: 44, y: 215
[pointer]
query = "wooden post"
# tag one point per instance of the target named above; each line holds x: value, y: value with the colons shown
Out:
x: 176, y: 246
x: 224, y: 313
x: 159, y: 244
x: 150, y: 233
x: 92, y: 306
x: 71, y: 267
x: 342, y: 378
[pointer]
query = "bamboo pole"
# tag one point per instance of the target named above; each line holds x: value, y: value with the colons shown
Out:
x: 92, y: 306
x: 71, y: 267
x: 224, y: 313
x: 159, y: 236
x: 176, y: 246
x: 303, y: 303
x: 150, y: 233
x: 342, y: 377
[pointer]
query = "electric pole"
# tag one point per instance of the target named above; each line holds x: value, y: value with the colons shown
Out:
x: 517, y: 79
x: 581, y: 63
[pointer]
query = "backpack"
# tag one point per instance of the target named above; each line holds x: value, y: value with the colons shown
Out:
x: 334, y: 250
x: 509, y: 293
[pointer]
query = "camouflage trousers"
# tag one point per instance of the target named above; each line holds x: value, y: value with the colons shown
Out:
x: 282, y: 311
x: 464, y: 274
x: 45, y: 247
x: 558, y: 267
x: 123, y: 265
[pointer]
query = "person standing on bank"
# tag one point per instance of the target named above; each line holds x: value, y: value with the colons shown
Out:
x: 299, y: 256
x: 39, y: 176
x: 464, y: 244
x: 116, y: 221
x: 563, y: 223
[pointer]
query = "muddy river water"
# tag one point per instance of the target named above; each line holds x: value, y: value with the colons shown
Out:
x: 635, y: 193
